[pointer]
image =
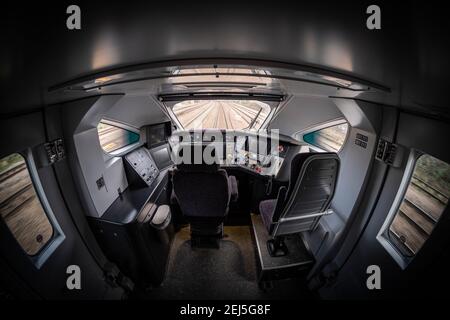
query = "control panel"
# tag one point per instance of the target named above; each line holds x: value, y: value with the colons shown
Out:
x: 142, y: 165
x: 389, y: 153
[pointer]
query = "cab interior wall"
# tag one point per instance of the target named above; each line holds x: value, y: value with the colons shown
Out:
x: 136, y: 110
x: 81, y: 118
x: 301, y: 112
x: 44, y: 282
x: 423, y: 274
x: 356, y: 223
x: 355, y: 168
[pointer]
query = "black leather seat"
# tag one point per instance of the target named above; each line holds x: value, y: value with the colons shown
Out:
x: 299, y: 207
x: 203, y: 193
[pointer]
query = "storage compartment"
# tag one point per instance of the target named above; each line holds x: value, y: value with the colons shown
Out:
x: 138, y: 240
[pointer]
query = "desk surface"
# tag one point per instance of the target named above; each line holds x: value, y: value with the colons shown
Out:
x: 125, y: 209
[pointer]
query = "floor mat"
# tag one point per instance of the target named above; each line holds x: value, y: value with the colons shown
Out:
x: 226, y: 273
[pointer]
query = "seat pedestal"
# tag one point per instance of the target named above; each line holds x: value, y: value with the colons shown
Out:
x: 277, y: 247
x: 206, y: 237
x: 205, y: 242
x: 296, y: 263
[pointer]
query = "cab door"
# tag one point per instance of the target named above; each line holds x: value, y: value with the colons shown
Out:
x: 42, y: 254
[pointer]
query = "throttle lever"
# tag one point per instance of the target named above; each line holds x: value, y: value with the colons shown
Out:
x: 269, y: 185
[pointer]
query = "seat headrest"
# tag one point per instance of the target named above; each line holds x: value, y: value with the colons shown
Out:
x: 198, y: 167
x: 196, y: 161
x: 299, y: 159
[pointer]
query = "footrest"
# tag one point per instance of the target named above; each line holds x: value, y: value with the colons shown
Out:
x: 277, y: 248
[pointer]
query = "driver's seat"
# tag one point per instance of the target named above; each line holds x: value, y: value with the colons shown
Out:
x: 203, y: 193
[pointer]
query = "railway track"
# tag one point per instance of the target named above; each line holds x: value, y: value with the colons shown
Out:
x: 112, y: 138
x: 21, y: 210
x: 11, y: 171
x: 418, y: 214
x: 437, y: 194
x: 16, y: 190
x: 191, y: 116
x: 214, y: 114
x: 189, y: 108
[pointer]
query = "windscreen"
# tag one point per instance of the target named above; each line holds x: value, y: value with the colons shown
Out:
x: 221, y: 114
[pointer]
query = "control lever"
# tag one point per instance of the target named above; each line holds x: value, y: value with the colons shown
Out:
x: 269, y: 185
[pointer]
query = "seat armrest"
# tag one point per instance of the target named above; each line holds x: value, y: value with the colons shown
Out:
x: 233, y: 188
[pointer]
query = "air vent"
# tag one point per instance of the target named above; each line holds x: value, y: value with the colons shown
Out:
x: 245, y: 85
x: 220, y: 95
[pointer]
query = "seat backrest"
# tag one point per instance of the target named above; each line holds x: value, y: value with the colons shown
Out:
x: 311, y: 188
x: 201, y: 190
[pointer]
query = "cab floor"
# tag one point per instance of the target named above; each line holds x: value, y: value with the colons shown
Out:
x: 229, y: 272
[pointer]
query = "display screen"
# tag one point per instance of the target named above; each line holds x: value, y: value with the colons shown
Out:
x: 156, y: 135
x: 161, y: 156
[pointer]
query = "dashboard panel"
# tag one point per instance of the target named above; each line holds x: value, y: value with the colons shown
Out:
x: 257, y: 153
x: 141, y: 166
x: 260, y: 161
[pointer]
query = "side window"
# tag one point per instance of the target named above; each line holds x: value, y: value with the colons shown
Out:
x: 422, y: 205
x: 329, y: 139
x: 20, y: 207
x: 113, y: 137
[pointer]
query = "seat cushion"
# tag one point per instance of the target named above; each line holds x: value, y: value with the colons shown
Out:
x: 266, y: 209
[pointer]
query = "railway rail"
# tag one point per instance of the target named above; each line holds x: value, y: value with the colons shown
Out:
x: 417, y: 215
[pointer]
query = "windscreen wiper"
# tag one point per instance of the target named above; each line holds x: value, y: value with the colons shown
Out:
x: 254, y: 120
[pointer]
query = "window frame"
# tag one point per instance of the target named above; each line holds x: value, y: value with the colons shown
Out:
x: 383, y: 236
x: 58, y: 236
x: 299, y: 135
x: 125, y: 149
